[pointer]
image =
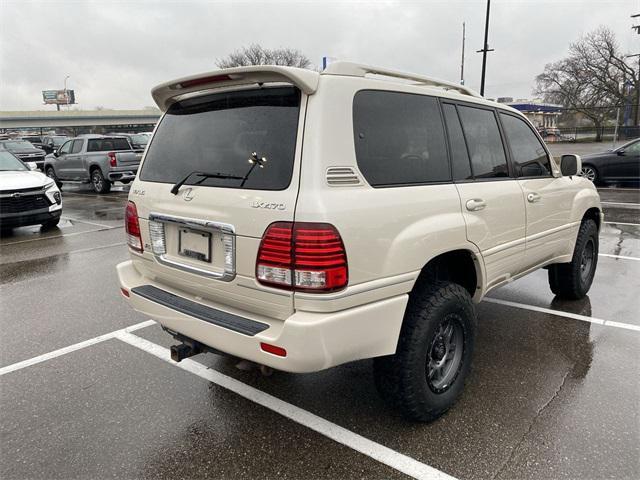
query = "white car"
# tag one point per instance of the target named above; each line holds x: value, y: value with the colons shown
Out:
x: 301, y: 220
x: 27, y: 197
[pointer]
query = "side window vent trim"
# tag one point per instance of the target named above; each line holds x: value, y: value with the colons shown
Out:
x: 342, y: 177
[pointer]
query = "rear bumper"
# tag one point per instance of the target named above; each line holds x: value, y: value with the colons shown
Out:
x: 123, y: 174
x: 313, y: 341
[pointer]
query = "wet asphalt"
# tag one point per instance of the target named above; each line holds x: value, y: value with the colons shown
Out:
x: 548, y: 397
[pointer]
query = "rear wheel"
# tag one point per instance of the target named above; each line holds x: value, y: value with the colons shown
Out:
x: 50, y: 172
x: 100, y: 184
x: 426, y: 375
x: 573, y: 280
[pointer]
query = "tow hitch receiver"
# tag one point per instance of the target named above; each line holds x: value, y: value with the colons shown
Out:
x: 185, y: 350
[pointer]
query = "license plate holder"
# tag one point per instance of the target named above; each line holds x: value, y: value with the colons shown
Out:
x: 194, y: 244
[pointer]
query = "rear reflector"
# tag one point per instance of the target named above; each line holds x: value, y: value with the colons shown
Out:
x: 132, y: 224
x: 273, y: 349
x: 125, y: 292
x: 303, y: 257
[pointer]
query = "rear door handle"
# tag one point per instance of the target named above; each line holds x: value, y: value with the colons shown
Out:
x: 533, y: 197
x: 476, y: 204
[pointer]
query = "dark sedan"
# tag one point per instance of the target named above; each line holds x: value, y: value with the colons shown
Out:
x: 621, y: 165
x: 24, y: 150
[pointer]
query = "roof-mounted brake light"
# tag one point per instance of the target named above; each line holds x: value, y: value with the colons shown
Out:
x: 206, y: 80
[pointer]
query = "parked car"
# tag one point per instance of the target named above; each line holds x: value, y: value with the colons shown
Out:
x: 97, y: 159
x: 27, y: 197
x: 34, y: 140
x: 621, y: 165
x: 138, y: 141
x: 24, y: 151
x: 408, y: 203
x: 53, y: 142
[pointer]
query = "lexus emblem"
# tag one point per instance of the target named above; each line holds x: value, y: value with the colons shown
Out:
x: 187, y: 195
x: 16, y: 195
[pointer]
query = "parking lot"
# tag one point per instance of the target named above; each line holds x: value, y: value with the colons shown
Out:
x: 88, y: 390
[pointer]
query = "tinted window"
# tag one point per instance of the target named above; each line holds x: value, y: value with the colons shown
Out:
x: 66, y: 147
x: 527, y: 153
x: 107, y: 144
x: 77, y: 146
x: 399, y: 138
x: 218, y: 133
x: 459, y: 154
x: 485, y: 145
x: 632, y: 148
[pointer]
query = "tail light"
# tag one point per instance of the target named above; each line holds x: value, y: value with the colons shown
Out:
x: 134, y: 239
x: 302, y: 257
x: 112, y: 158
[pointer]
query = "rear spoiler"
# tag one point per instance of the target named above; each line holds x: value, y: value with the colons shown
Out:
x: 166, y: 93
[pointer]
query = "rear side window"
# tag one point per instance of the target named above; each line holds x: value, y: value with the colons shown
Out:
x: 488, y: 159
x: 219, y: 133
x: 529, y: 157
x: 459, y: 154
x: 77, y: 146
x: 399, y: 138
x: 107, y: 144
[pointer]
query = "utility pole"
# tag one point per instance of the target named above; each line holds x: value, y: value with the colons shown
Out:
x: 462, y: 63
x: 485, y: 49
x: 636, y: 108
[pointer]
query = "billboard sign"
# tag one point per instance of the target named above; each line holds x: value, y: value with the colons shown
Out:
x: 58, y: 97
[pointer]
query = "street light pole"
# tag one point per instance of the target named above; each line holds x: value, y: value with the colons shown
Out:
x: 485, y: 49
x: 66, y: 94
x: 462, y: 63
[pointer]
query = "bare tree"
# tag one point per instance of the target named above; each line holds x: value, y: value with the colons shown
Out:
x: 591, y: 80
x: 255, y: 54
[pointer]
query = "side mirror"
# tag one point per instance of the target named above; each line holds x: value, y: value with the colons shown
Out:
x: 32, y: 165
x: 570, y: 165
x: 620, y: 152
x: 55, y: 153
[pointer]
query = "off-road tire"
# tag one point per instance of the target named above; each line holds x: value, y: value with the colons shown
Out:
x: 401, y: 379
x: 51, y: 173
x: 100, y: 184
x: 568, y: 280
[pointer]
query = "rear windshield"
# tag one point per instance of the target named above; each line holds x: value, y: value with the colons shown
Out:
x: 108, y: 144
x: 219, y: 133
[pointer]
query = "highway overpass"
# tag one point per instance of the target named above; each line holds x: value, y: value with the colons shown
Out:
x: 79, y: 121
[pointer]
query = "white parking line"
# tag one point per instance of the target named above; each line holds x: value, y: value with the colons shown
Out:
x: 71, y: 348
x: 59, y: 236
x: 559, y: 313
x: 87, y: 222
x: 623, y: 223
x: 374, y: 450
x: 618, y: 256
x: 621, y: 203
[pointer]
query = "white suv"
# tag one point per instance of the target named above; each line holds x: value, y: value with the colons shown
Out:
x: 302, y: 220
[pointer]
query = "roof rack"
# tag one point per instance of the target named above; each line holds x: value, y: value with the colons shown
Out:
x: 357, y: 70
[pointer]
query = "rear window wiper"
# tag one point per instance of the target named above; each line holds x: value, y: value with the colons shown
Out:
x: 204, y: 176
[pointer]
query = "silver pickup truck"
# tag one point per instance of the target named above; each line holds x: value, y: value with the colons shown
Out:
x: 95, y: 159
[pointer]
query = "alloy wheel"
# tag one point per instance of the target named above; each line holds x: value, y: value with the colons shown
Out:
x: 444, y: 357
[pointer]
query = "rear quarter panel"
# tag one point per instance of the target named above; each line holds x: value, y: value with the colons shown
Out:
x: 389, y: 233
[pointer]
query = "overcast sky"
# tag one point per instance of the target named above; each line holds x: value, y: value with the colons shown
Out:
x: 115, y: 51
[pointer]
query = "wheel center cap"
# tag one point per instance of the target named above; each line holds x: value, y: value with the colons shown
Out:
x: 439, y: 350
